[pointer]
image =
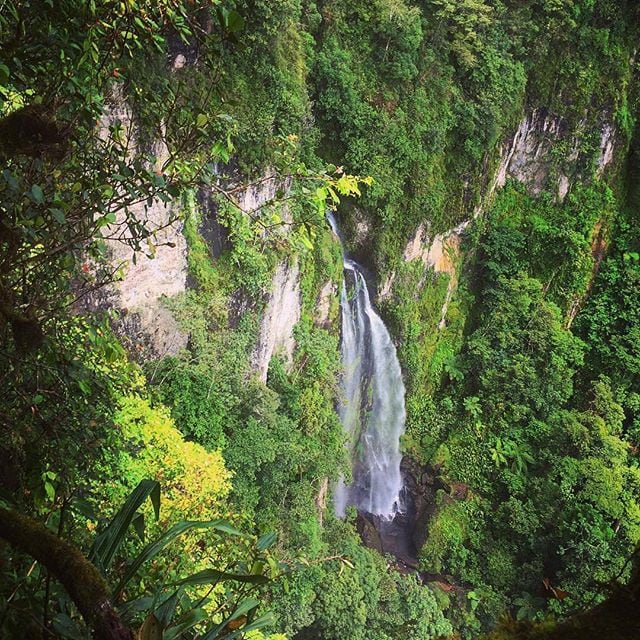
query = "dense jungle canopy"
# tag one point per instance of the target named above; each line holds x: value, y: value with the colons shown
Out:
x: 180, y: 326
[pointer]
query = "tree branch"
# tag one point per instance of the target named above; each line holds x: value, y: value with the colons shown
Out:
x: 78, y: 576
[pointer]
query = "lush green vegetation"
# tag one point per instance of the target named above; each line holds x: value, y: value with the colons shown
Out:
x: 520, y: 358
x: 529, y: 421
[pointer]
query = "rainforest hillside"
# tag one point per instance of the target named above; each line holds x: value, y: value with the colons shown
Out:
x: 216, y: 215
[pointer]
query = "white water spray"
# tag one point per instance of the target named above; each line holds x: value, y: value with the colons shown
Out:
x: 372, y: 408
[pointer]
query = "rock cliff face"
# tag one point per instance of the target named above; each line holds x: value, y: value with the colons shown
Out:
x: 139, y: 296
x: 529, y: 159
x: 281, y: 315
x: 439, y: 253
x: 284, y: 302
x: 143, y: 318
x: 260, y: 192
x: 327, y: 295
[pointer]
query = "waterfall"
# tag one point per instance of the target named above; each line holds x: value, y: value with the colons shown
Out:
x: 372, y: 405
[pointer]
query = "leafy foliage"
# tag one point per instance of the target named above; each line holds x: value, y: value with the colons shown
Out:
x: 534, y: 432
x: 157, y: 113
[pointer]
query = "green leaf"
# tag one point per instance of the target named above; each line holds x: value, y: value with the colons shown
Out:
x: 247, y: 605
x: 201, y: 120
x: 235, y: 22
x: 263, y: 621
x: 10, y: 179
x: 108, y: 541
x: 209, y: 576
x: 225, y: 527
x: 167, y: 609
x: 4, y: 74
x: 185, y: 622
x: 155, y: 498
x: 138, y: 605
x: 49, y: 490
x: 273, y: 567
x: 306, y: 241
x: 67, y: 628
x: 153, y: 548
x: 37, y: 194
x: 84, y: 387
x: 58, y: 215
x: 138, y: 525
x: 84, y: 508
x: 266, y: 541
x: 220, y: 150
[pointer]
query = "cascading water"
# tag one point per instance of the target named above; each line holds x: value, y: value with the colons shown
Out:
x: 372, y: 408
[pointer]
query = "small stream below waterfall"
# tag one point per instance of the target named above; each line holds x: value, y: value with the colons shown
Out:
x: 372, y: 412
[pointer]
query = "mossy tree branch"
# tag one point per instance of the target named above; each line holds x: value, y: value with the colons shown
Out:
x: 78, y: 576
